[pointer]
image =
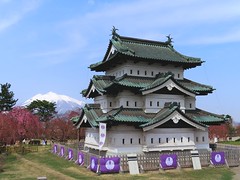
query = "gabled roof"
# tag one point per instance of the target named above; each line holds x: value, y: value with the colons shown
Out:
x: 105, y: 84
x: 92, y: 115
x: 121, y: 48
x: 97, y: 85
x: 171, y: 114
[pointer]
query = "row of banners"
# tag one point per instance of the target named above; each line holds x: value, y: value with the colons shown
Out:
x: 112, y: 164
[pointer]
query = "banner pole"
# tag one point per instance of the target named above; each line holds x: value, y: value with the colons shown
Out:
x: 98, y: 168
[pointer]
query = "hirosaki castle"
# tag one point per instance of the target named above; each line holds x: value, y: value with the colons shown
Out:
x: 145, y: 100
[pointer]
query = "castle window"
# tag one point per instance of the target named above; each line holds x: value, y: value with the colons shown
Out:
x: 150, y: 103
x: 203, y: 139
x: 196, y: 139
x: 151, y: 140
x: 178, y: 75
x: 139, y: 141
x: 127, y: 103
x: 188, y: 139
x: 138, y: 72
x: 131, y: 141
x: 181, y: 139
x: 145, y: 72
x: 166, y: 140
x: 152, y: 73
x: 158, y: 104
x: 159, y: 140
x: 174, y: 140
x: 110, y: 104
x: 135, y: 103
x: 123, y: 141
x: 131, y: 71
x: 190, y: 105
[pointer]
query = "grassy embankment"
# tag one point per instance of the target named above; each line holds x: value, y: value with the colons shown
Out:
x: 43, y: 163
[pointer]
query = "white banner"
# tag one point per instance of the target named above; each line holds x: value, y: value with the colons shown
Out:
x: 102, y: 134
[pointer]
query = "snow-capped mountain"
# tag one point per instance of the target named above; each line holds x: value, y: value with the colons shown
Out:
x: 63, y: 103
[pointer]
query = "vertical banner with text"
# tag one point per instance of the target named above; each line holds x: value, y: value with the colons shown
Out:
x: 102, y: 134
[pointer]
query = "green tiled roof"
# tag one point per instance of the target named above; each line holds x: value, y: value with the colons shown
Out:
x: 143, y: 50
x: 205, y: 117
x: 92, y: 112
x: 104, y: 84
x: 196, y: 87
x: 163, y: 113
x: 133, y: 81
x: 150, y: 50
x: 137, y: 116
x: 100, y: 83
x: 133, y: 115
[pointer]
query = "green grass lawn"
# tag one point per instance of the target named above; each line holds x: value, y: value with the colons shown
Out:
x: 43, y: 163
x: 230, y: 142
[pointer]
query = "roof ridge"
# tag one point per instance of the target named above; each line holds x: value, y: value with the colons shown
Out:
x: 142, y: 41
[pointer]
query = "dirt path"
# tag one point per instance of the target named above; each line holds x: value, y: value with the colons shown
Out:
x: 236, y: 170
x: 30, y: 167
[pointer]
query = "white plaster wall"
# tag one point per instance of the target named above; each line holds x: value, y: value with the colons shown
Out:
x: 170, y: 133
x: 201, y: 139
x: 127, y: 139
x: 162, y: 99
x: 125, y: 96
x: 157, y: 101
x: 190, y: 102
x: 102, y: 100
x: 128, y: 134
x: 91, y: 138
x: 140, y: 68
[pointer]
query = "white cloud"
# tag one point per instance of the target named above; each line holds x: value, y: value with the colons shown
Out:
x: 227, y: 37
x: 149, y: 16
x: 143, y: 19
x: 73, y: 43
x: 11, y: 16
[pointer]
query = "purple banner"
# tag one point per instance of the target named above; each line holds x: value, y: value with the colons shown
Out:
x: 93, y: 163
x: 110, y: 165
x: 168, y: 161
x: 55, y: 148
x: 80, y: 158
x: 70, y: 154
x: 62, y: 151
x: 218, y: 158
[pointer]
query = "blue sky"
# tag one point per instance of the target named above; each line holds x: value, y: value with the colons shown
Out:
x: 47, y: 45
